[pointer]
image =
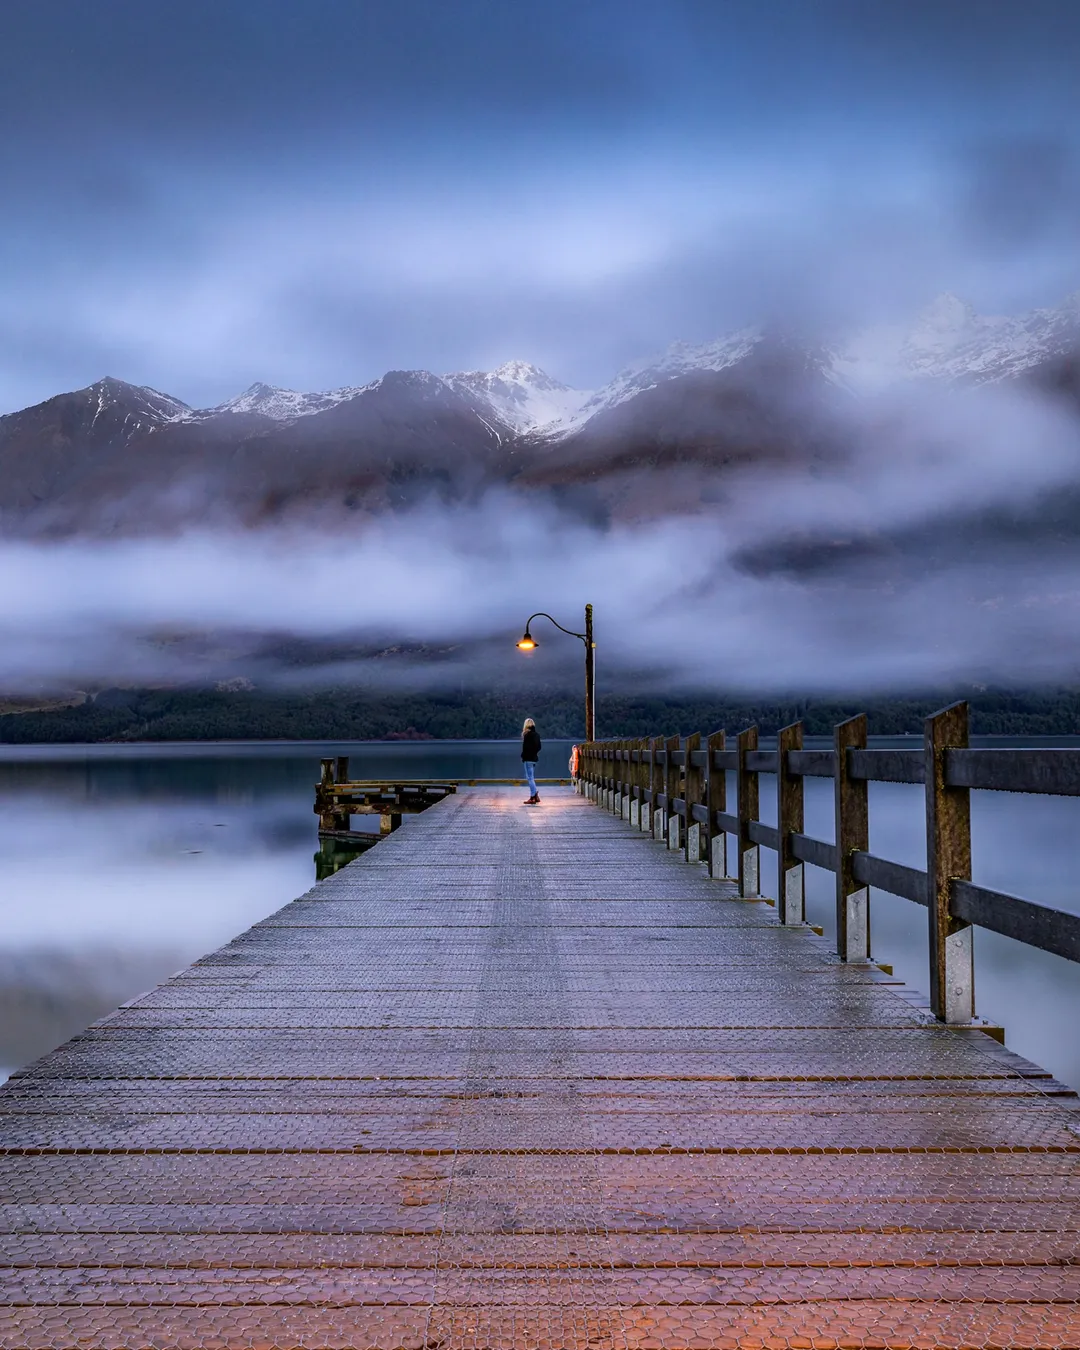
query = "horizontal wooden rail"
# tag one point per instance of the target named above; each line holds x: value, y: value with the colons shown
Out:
x: 1053, y: 930
x: 1048, y: 772
x: 907, y: 882
x: 767, y: 835
x: 666, y: 786
x: 887, y: 766
x: 816, y: 852
x: 812, y: 763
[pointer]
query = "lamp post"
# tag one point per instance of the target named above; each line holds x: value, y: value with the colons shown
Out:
x: 528, y: 643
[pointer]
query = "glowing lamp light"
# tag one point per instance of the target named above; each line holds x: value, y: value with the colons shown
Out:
x: 527, y: 643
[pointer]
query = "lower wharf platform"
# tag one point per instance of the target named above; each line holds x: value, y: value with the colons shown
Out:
x: 521, y: 1077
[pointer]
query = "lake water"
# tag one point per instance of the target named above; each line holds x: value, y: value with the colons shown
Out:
x: 122, y: 864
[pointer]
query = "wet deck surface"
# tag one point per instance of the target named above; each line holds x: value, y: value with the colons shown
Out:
x: 522, y: 1078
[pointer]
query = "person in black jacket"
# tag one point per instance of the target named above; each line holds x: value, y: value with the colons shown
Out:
x: 530, y: 749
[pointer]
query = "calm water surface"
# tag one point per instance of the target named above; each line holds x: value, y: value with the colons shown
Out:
x: 122, y: 864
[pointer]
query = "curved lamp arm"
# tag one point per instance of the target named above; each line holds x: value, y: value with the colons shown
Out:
x: 540, y: 614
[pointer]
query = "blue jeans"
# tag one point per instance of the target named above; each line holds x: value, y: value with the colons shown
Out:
x: 530, y: 774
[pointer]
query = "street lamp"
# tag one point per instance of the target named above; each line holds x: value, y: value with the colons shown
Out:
x: 528, y: 643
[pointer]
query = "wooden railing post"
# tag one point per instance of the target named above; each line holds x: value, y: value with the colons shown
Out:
x: 671, y: 791
x: 635, y: 784
x: 324, y: 797
x: 648, y: 773
x: 656, y: 783
x: 715, y: 800
x: 341, y: 769
x: 789, y: 819
x: 852, y: 835
x: 692, y: 793
x: 641, y: 782
x: 749, y: 855
x: 948, y: 859
x: 626, y: 791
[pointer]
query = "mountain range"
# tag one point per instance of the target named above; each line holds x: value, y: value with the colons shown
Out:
x: 661, y: 436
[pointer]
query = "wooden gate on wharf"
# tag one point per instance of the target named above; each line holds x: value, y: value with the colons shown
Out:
x: 540, y: 1077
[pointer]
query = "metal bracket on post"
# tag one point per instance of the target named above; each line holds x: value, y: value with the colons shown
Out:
x: 671, y: 791
x: 948, y: 859
x: 852, y: 835
x: 789, y: 817
x: 715, y: 802
x: 749, y: 854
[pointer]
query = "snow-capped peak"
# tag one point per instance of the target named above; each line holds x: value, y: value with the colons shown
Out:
x: 681, y: 358
x: 950, y: 341
x: 139, y: 398
x: 281, y: 404
x: 521, y: 395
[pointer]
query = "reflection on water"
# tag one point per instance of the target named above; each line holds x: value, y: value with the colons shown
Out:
x: 122, y: 864
x: 334, y: 854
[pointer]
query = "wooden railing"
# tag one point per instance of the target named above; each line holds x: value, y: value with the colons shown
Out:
x: 676, y: 788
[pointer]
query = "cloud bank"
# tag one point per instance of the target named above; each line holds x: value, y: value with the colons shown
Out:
x: 436, y: 595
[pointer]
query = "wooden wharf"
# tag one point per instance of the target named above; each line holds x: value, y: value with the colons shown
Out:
x: 534, y: 1078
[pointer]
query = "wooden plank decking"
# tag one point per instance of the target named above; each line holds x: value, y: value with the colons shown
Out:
x: 524, y: 1078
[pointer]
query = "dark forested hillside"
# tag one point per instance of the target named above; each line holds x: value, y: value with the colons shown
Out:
x: 199, y: 714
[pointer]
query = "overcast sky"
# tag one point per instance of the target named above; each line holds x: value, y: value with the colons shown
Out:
x: 200, y: 193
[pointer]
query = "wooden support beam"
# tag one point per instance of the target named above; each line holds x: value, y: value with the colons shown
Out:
x: 948, y: 859
x: 790, y: 897
x: 852, y: 814
x: 341, y: 769
x: 749, y: 855
x: 715, y: 800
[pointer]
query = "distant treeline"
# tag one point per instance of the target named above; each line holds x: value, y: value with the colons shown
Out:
x: 344, y: 714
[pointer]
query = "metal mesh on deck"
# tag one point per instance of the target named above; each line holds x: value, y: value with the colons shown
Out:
x: 527, y: 1079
